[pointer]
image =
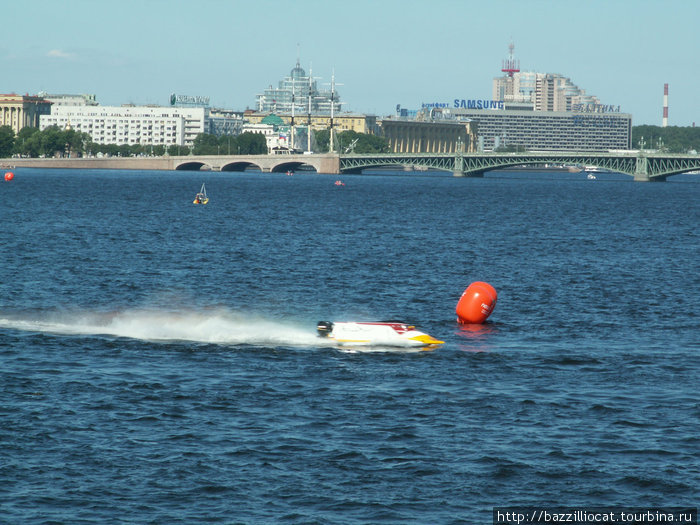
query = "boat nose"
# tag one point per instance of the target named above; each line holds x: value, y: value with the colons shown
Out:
x: 427, y: 339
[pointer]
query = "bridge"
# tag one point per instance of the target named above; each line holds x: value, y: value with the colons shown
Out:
x: 322, y: 163
x: 642, y: 166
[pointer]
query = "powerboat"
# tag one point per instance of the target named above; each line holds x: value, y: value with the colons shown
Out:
x: 385, y: 333
x: 596, y: 169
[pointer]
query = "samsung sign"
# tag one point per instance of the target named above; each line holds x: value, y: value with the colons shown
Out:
x: 468, y: 104
x: 479, y: 104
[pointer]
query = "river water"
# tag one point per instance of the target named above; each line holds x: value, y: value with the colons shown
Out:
x: 159, y: 362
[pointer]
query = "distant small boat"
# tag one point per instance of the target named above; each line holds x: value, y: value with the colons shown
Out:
x: 201, y: 197
x: 591, y: 177
x: 595, y: 169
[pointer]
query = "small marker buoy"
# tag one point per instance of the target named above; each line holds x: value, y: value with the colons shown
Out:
x: 477, y: 303
x: 9, y: 176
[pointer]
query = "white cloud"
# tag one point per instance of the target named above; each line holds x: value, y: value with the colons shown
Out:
x: 57, y: 53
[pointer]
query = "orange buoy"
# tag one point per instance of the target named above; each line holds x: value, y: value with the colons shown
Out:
x: 477, y: 303
x: 9, y: 176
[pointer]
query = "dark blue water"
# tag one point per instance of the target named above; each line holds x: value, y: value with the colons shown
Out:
x: 159, y: 364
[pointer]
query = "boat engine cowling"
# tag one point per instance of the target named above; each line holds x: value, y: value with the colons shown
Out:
x: 324, y: 328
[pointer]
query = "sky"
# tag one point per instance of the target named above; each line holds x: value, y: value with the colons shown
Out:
x: 383, y: 52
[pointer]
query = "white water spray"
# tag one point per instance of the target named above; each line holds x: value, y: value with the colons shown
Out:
x: 219, y: 326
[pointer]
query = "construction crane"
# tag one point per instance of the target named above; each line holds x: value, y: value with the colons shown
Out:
x: 351, y: 147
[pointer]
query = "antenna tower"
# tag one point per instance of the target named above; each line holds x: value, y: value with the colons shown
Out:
x: 510, y: 65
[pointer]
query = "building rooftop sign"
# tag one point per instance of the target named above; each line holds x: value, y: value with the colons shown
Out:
x: 595, y: 108
x: 188, y: 100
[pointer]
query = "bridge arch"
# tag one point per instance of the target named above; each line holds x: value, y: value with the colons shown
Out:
x: 241, y: 166
x: 284, y: 167
x: 193, y: 166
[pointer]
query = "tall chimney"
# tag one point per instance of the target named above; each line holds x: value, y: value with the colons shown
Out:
x: 664, y: 123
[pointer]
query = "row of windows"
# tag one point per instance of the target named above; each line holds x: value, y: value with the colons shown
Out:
x: 577, y: 132
x: 68, y: 114
x: 132, y: 129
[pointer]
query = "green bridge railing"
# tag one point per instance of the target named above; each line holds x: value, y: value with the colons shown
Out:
x: 640, y: 165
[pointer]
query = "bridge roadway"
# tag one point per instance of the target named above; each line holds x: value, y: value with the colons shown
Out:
x: 641, y: 166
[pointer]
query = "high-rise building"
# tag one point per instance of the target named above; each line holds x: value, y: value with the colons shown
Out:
x: 527, y: 90
x: 298, y: 91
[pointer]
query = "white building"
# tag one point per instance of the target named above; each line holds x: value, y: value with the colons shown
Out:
x: 278, y: 139
x: 224, y: 122
x: 145, y: 125
x: 69, y: 100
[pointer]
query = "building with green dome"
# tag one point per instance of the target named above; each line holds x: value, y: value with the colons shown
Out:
x: 273, y: 120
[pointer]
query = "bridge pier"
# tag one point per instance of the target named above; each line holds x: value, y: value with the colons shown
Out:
x: 641, y: 173
x: 459, y: 165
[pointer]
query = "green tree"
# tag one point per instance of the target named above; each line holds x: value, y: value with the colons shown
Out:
x: 323, y: 140
x: 227, y: 144
x: 206, y: 144
x: 367, y: 143
x: 249, y: 143
x: 28, y: 142
x: 76, y: 141
x: 7, y: 141
x: 124, y: 150
x: 53, y: 142
x: 351, y: 140
x: 672, y: 139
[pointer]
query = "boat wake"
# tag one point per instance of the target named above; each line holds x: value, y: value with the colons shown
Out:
x: 219, y: 326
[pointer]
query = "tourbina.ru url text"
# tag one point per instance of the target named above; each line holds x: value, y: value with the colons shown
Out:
x: 581, y: 515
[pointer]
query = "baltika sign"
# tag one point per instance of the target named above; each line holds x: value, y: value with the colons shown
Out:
x: 595, y: 108
x: 188, y: 100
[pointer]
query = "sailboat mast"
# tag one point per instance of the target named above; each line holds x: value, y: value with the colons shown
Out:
x: 332, y: 104
x: 309, y: 128
x: 293, y: 104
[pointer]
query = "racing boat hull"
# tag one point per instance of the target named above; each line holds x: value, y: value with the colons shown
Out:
x: 395, y: 334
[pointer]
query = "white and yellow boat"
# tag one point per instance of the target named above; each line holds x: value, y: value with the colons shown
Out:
x: 390, y: 333
x: 201, y: 197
